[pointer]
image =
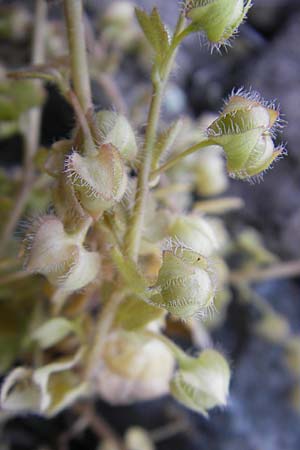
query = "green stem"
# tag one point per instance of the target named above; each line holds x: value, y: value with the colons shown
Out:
x: 179, y: 157
x: 184, y: 33
x: 89, y: 143
x: 160, y: 78
x: 133, y: 237
x: 219, y: 205
x: 77, y: 46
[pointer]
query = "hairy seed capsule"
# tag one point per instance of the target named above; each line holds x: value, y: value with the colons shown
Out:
x: 99, y: 180
x: 59, y: 256
x: 185, y: 284
x: 210, y: 172
x: 194, y: 232
x: 202, y: 383
x: 116, y: 130
x: 219, y: 19
x: 131, y: 369
x: 244, y: 130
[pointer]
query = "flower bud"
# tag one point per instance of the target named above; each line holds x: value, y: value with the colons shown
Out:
x: 185, y: 284
x: 116, y: 130
x: 131, y: 369
x: 195, y: 233
x: 202, y: 383
x: 244, y: 130
x: 219, y: 19
x: 59, y: 256
x: 99, y: 179
x: 120, y: 12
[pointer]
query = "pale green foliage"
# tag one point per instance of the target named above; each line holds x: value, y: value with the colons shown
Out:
x: 119, y: 254
x: 53, y: 331
x: 155, y: 32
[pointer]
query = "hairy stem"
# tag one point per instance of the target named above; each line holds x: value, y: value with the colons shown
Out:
x: 219, y: 205
x: 32, y: 132
x: 179, y: 157
x: 133, y: 238
x: 77, y: 47
x: 135, y: 227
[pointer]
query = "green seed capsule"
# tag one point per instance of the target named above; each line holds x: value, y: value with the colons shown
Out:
x: 219, y: 19
x: 195, y: 233
x: 202, y: 383
x: 210, y: 172
x: 185, y: 284
x: 59, y: 256
x: 116, y: 130
x: 244, y: 130
x: 131, y: 369
x: 99, y: 180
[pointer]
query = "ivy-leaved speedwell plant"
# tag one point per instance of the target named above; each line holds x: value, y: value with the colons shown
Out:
x: 117, y: 253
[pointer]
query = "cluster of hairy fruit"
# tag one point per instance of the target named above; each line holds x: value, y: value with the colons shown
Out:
x: 91, y: 181
x: 92, y: 187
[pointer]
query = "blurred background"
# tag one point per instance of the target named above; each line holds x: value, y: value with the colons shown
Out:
x: 264, y: 405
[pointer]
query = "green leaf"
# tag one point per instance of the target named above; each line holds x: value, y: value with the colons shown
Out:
x: 46, y: 390
x: 155, y: 32
x: 64, y: 388
x: 165, y: 141
x: 53, y: 331
x: 161, y: 33
x: 202, y: 383
x: 134, y: 313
